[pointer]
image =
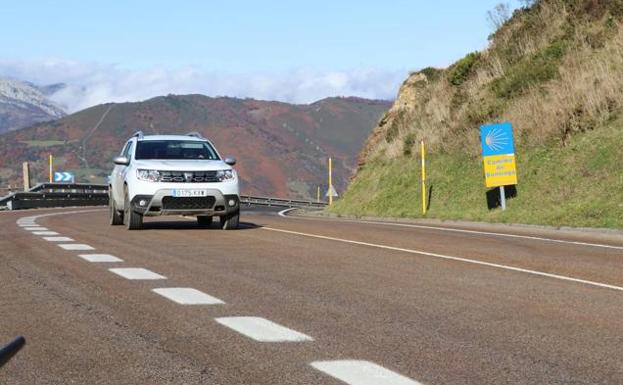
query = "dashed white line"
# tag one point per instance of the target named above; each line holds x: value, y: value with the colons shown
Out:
x: 262, y: 330
x: 136, y: 273
x: 100, y: 258
x: 58, y: 239
x: 45, y: 233
x: 187, y: 296
x: 75, y: 246
x: 355, y: 372
x: 451, y: 258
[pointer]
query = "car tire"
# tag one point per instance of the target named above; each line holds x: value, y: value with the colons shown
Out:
x: 204, y: 220
x: 116, y: 216
x: 132, y: 219
x: 230, y: 221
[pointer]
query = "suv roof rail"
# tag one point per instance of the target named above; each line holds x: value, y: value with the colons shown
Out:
x: 138, y: 134
x: 195, y: 134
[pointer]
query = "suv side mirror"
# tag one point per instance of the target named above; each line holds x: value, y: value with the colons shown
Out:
x: 121, y: 161
x: 230, y: 161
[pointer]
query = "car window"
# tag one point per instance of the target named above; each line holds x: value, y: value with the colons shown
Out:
x: 128, y: 150
x: 175, y: 149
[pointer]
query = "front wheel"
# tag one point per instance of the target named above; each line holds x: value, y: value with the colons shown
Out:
x: 132, y: 219
x: 230, y: 221
x: 116, y: 216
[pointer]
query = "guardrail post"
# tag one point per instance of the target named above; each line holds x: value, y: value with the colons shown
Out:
x: 26, y: 175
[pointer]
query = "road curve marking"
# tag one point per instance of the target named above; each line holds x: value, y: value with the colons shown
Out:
x: 283, y: 213
x: 187, y: 296
x: 354, y: 372
x: 100, y: 258
x: 262, y: 330
x: 136, y: 273
x: 450, y: 258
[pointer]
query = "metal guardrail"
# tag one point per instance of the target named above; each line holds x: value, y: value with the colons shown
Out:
x: 279, y: 202
x: 58, y: 195
x: 85, y: 194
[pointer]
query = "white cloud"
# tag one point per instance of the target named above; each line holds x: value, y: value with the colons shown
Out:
x: 89, y: 84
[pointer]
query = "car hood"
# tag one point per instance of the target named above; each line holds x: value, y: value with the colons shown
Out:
x: 182, y: 165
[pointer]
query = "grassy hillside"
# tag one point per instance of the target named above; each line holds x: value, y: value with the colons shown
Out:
x: 556, y: 71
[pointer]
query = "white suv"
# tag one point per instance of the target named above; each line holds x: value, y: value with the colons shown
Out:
x: 173, y: 175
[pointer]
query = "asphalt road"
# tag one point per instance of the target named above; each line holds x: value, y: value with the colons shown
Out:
x: 306, y: 301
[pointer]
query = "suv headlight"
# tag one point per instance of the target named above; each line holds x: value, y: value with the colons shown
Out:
x: 148, y: 175
x: 225, y: 175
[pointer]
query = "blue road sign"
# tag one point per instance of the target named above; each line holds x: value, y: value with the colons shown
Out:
x: 63, y: 177
x: 497, y: 139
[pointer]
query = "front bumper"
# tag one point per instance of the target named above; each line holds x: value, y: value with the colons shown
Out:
x: 164, y: 203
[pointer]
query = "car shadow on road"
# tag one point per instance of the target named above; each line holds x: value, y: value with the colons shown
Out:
x: 192, y: 225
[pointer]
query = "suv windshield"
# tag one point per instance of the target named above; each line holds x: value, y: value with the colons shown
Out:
x: 175, y: 149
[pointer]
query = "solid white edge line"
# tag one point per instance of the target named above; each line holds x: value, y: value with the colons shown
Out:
x: 451, y: 258
x: 491, y: 233
x: 357, y: 372
x: 262, y: 330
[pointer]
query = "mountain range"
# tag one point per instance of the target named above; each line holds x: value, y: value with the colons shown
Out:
x: 282, y: 149
x: 23, y: 104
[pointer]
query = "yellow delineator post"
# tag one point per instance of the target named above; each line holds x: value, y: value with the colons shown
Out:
x: 51, y: 168
x: 330, y: 182
x: 423, y: 177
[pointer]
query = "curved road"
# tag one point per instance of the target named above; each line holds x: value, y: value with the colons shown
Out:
x: 291, y: 300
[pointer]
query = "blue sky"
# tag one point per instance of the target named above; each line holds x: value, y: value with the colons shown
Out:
x: 228, y: 42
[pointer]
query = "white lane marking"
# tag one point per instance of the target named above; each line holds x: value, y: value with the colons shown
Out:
x: 451, y: 258
x: 58, y: 239
x: 45, y: 233
x: 100, y: 258
x: 544, y: 239
x: 283, y: 213
x: 491, y: 233
x: 136, y: 273
x: 75, y: 246
x: 355, y: 372
x: 36, y: 228
x: 262, y: 330
x: 187, y: 296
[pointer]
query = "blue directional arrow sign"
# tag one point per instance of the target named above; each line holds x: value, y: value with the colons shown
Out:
x: 63, y: 176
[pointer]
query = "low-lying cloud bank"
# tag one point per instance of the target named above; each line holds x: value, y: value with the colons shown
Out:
x: 91, y: 84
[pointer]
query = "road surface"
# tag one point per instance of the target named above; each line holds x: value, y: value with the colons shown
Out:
x: 289, y: 300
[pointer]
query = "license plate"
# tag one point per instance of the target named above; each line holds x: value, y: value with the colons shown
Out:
x: 190, y: 193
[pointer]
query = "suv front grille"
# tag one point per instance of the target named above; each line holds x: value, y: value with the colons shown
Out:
x: 188, y: 176
x: 188, y: 203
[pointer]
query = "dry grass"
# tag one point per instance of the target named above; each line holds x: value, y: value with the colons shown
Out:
x: 585, y: 88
